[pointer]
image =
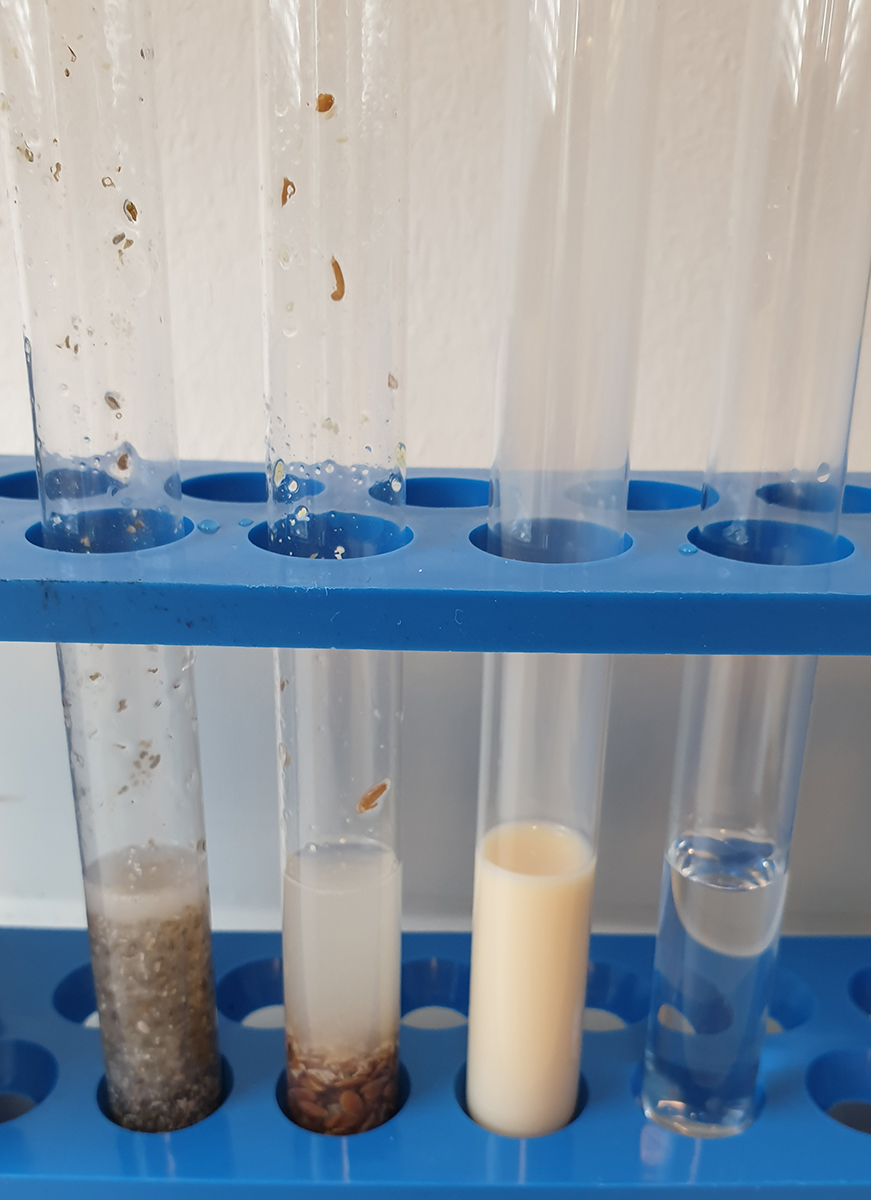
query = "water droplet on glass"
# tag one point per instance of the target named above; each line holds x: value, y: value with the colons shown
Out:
x: 284, y: 257
x: 339, y: 551
x: 208, y: 526
x: 293, y: 486
x: 823, y: 472
x: 329, y: 468
x: 686, y: 548
x: 289, y: 331
x: 245, y: 522
x: 396, y: 485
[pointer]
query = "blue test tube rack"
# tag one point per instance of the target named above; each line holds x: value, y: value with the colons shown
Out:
x: 440, y: 591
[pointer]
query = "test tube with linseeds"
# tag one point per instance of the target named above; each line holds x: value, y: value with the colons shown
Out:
x: 334, y: 112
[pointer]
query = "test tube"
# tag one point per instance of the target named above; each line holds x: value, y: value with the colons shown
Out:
x: 794, y: 306
x: 582, y: 81
x: 738, y: 765
x: 795, y: 285
x: 333, y: 167
x: 84, y: 185
x: 79, y: 135
x: 542, y: 751
x: 339, y: 729
x: 131, y: 725
x: 579, y: 111
x: 334, y: 115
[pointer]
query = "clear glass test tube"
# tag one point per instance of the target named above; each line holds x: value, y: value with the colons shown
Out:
x: 582, y: 81
x: 542, y: 753
x: 333, y: 122
x: 333, y: 126
x: 795, y: 287
x: 79, y: 131
x: 131, y: 724
x: 339, y: 730
x: 737, y: 772
x: 794, y: 305
x: 84, y: 181
x: 579, y: 114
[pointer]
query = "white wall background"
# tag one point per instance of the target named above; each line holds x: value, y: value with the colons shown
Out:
x: 204, y: 53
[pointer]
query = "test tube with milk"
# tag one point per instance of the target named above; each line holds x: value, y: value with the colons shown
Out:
x: 545, y: 719
x: 579, y: 114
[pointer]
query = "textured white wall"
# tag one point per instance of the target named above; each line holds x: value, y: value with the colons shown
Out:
x: 204, y: 54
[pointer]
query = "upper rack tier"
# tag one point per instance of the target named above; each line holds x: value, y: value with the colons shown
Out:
x: 217, y: 586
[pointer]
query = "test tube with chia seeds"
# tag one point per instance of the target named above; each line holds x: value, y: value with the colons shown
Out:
x: 78, y: 128
x: 333, y: 166
x: 131, y: 726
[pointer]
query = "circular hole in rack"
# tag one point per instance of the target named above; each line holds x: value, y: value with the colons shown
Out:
x: 75, y: 999
x: 333, y: 536
x: 435, y: 993
x: 792, y: 1002
x: 226, y: 1088
x: 441, y: 492
x: 553, y: 540
x: 771, y: 543
x: 856, y: 499
x: 28, y: 1072
x: 654, y: 495
x: 403, y: 1092
x: 803, y: 495
x: 460, y: 1094
x: 228, y: 487
x: 839, y: 1083
x: 20, y: 486
x: 110, y: 533
x: 615, y: 998
x: 860, y: 990
x: 253, y: 994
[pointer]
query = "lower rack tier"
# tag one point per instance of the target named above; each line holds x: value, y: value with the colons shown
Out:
x: 62, y: 1146
x: 219, y: 585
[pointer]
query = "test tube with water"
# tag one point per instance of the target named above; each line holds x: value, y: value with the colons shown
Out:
x: 334, y: 112
x: 79, y: 135
x: 738, y: 768
x: 579, y: 104
x: 794, y: 304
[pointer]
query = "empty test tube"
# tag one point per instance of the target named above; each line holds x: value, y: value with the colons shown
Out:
x: 79, y: 135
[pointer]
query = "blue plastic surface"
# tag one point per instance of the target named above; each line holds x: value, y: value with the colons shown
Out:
x: 437, y: 592
x: 66, y: 1148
